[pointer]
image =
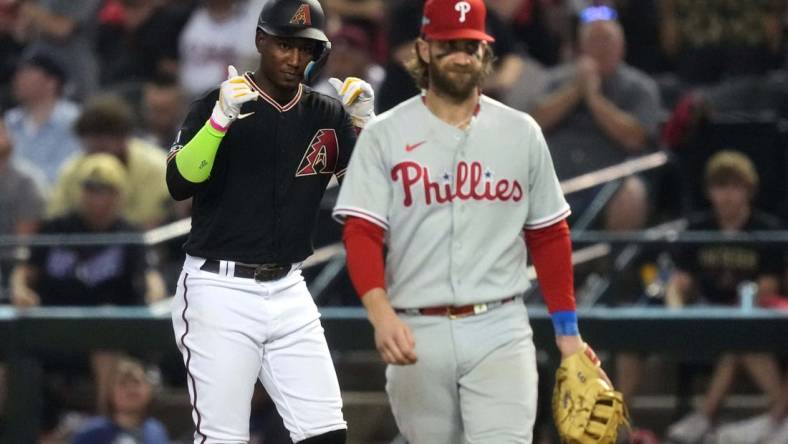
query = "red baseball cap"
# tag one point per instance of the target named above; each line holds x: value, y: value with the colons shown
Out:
x: 454, y: 20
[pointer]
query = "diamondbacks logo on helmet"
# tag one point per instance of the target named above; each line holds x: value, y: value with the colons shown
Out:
x: 302, y: 16
x: 321, y: 155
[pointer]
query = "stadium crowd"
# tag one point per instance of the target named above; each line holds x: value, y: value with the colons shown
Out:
x: 92, y: 93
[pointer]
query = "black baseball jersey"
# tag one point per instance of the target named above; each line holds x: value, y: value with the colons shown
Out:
x: 261, y: 201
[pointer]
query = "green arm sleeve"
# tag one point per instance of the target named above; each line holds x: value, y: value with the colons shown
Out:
x: 195, y: 159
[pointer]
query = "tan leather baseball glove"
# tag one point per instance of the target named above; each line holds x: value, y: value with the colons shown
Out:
x: 586, y: 409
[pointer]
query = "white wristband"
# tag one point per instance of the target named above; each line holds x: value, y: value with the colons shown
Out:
x: 219, y: 118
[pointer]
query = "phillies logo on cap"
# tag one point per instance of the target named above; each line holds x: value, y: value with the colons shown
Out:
x: 455, y: 20
x: 462, y: 8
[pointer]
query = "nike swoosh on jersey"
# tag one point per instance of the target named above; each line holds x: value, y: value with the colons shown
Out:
x: 412, y: 146
x: 243, y: 116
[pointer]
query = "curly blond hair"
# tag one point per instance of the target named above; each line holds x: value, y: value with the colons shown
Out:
x: 419, y: 69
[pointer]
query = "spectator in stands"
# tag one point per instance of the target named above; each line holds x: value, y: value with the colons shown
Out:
x: 369, y: 15
x: 404, y: 25
x: 371, y: 11
x: 209, y: 43
x: 128, y: 418
x: 90, y: 275
x: 597, y: 112
x: 769, y: 428
x: 95, y: 274
x: 641, y: 21
x: 543, y: 29
x: 163, y: 109
x: 11, y: 48
x: 21, y: 200
x: 137, y: 40
x: 65, y: 28
x: 41, y: 126
x: 537, y: 25
x: 105, y: 126
x: 508, y: 64
x: 351, y: 56
x: 714, y: 39
x: 21, y: 194
x: 711, y: 273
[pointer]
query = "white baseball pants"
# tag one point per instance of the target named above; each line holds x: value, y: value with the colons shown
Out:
x: 232, y: 331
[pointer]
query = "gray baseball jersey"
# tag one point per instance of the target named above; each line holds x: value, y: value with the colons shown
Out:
x: 454, y: 201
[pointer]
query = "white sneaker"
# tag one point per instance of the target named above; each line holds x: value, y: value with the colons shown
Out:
x: 778, y: 435
x: 690, y: 429
x: 751, y: 430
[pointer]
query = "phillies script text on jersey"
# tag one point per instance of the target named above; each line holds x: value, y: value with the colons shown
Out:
x: 468, y: 184
x: 439, y: 203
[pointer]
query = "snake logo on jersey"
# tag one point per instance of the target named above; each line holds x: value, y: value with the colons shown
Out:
x: 321, y: 155
x: 471, y: 182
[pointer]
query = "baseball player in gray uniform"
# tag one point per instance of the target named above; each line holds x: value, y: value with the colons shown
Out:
x: 456, y: 185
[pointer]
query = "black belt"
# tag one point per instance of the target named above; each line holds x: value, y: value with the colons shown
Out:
x: 260, y: 273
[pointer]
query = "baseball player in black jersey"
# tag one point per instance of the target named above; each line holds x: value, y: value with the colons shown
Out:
x: 256, y: 156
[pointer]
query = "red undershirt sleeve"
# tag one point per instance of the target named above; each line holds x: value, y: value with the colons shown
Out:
x: 551, y: 254
x: 364, y: 245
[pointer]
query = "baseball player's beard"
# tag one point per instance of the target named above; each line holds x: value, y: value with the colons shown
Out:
x: 456, y: 85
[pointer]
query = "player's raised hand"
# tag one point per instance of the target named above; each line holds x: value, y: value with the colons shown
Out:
x: 233, y: 93
x: 357, y: 98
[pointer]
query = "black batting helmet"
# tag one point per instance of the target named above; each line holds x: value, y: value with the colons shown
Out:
x: 293, y: 18
x: 298, y: 18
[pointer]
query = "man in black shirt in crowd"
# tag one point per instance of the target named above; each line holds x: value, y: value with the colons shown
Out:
x: 712, y: 273
x: 256, y: 156
x: 89, y: 275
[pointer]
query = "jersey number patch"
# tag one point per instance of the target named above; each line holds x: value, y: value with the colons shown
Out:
x: 321, y: 154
